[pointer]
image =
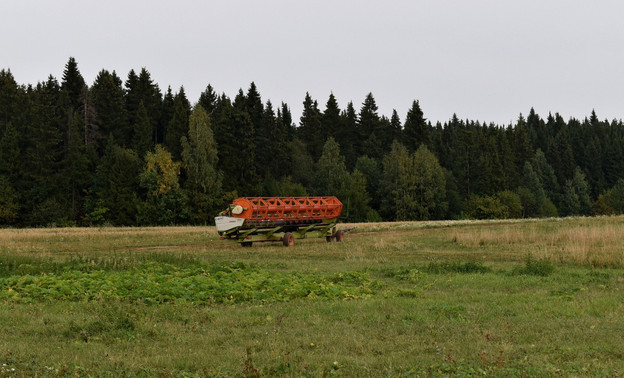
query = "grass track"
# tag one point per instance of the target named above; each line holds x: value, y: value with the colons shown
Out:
x: 440, y: 298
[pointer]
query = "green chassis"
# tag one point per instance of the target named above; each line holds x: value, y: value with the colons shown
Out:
x: 247, y: 236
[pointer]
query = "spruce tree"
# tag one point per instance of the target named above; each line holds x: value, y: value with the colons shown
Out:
x: 330, y: 170
x: 117, y: 185
x: 142, y: 139
x: 310, y: 127
x: 416, y: 131
x: 9, y: 93
x: 73, y: 83
x: 199, y: 161
x: 349, y: 137
x: 178, y: 125
x: 42, y: 156
x: 370, y: 130
x: 208, y: 99
x: 109, y: 103
x: 331, y: 123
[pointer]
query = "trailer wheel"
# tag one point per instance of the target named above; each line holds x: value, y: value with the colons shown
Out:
x: 339, y: 236
x: 288, y: 239
x: 246, y: 244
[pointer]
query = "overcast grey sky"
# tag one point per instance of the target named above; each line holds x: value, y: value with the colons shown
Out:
x: 486, y: 60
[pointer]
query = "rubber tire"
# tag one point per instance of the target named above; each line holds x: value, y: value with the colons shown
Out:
x: 288, y: 239
x: 246, y: 244
x: 339, y: 236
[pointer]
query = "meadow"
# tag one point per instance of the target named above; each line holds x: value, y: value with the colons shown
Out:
x: 505, y: 298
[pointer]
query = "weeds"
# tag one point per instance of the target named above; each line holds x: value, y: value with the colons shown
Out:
x: 533, y: 267
x: 154, y: 282
x: 455, y: 267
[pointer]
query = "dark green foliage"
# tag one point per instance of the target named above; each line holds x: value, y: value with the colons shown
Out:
x: 455, y: 267
x: 142, y: 88
x: 117, y: 187
x: 165, y: 203
x: 54, y: 138
x: 155, y: 283
x: 73, y: 83
x: 371, y: 169
x: 310, y: 130
x: 199, y: 161
x: 488, y: 207
x: 612, y: 201
x: 143, y: 133
x: 108, y: 100
x: 533, y: 267
x: 413, y: 186
x: 9, y: 202
x: 532, y: 183
x: 178, y: 125
x: 416, y: 130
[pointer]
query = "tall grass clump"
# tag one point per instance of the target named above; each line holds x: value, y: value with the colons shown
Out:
x: 455, y: 267
x: 534, y: 267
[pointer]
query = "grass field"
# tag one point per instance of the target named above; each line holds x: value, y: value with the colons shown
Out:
x: 518, y: 298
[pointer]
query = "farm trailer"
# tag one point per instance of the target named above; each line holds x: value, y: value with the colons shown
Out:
x: 273, y: 219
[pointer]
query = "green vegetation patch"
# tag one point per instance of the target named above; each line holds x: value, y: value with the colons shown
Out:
x: 533, y: 267
x: 413, y: 273
x: 155, y: 282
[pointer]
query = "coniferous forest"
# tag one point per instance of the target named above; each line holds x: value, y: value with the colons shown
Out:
x: 122, y: 152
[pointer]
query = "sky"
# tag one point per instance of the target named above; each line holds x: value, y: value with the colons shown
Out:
x: 485, y: 60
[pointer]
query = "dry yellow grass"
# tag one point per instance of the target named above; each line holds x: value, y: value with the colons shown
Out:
x: 584, y: 242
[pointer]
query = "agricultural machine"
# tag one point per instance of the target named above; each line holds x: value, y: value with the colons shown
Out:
x: 272, y: 219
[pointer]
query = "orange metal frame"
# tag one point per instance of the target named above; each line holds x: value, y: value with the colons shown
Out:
x: 288, y: 208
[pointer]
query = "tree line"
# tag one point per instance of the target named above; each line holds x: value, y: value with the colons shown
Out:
x: 125, y: 153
